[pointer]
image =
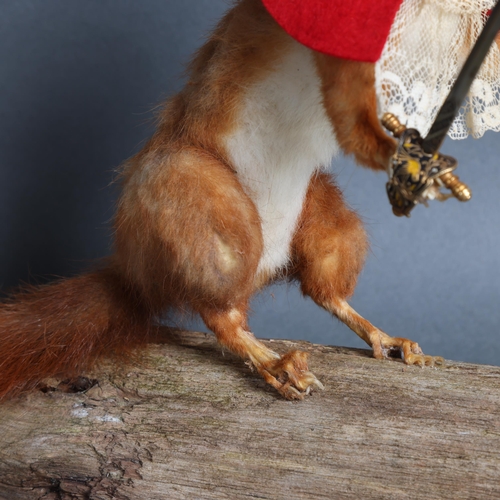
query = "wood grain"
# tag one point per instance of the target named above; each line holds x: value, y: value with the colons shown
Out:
x: 186, y: 421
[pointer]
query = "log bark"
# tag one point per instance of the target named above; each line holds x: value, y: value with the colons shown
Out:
x: 186, y: 421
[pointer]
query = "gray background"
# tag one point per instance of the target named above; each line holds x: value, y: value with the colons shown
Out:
x: 78, y: 83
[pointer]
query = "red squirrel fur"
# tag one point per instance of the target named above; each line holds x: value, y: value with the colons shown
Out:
x: 192, y: 231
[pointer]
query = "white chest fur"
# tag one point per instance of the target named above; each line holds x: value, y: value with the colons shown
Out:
x: 283, y: 136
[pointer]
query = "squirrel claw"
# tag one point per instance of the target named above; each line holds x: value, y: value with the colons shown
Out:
x: 415, y: 359
x: 423, y: 360
x: 290, y: 376
x: 411, y: 353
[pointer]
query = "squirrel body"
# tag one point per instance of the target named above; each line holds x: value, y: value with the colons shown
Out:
x: 229, y: 195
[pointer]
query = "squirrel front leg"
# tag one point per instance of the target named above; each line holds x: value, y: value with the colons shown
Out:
x: 349, y: 97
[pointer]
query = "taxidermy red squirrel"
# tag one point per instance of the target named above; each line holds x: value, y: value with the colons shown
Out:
x: 229, y: 195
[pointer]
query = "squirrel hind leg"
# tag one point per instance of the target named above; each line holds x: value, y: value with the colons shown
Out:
x: 188, y: 232
x: 288, y: 373
x: 383, y: 345
x: 329, y: 249
x: 208, y: 243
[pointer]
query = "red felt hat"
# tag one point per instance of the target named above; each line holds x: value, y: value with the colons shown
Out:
x: 351, y: 29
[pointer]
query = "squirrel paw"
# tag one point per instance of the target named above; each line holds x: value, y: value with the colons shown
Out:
x: 423, y: 360
x: 289, y: 375
x: 410, y: 352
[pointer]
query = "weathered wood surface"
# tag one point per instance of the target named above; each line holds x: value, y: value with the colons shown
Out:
x: 189, y: 422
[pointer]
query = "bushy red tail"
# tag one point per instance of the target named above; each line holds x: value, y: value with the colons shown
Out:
x: 61, y: 329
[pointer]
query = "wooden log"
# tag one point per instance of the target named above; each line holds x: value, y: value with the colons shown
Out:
x: 186, y: 421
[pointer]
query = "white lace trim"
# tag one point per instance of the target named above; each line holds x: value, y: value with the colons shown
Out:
x: 427, y: 46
